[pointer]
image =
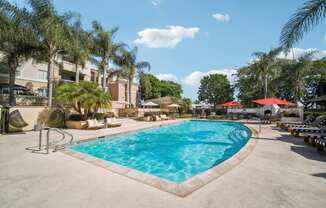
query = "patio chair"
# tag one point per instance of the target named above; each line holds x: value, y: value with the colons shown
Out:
x: 112, y: 122
x: 93, y: 124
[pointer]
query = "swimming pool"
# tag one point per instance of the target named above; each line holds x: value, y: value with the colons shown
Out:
x: 174, y: 152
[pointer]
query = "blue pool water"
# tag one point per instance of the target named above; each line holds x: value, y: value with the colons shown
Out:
x: 173, y: 152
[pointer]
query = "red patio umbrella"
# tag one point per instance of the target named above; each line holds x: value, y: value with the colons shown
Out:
x: 271, y: 101
x: 231, y: 104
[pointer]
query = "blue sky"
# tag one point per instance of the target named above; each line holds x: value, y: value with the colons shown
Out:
x: 186, y: 39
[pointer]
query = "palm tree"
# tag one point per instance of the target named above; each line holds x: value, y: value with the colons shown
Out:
x: 130, y: 66
x: 17, y: 41
x: 78, y: 48
x: 52, y: 31
x: 105, y: 49
x: 264, y: 61
x: 86, y: 98
x: 294, y: 74
x: 305, y: 18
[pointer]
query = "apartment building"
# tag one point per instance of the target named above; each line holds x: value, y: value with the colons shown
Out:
x: 33, y: 76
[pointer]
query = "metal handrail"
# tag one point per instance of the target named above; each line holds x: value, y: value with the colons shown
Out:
x: 63, y: 133
x: 48, y: 144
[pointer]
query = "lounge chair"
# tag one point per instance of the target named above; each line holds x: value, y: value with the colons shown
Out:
x: 112, y: 122
x: 93, y: 124
x: 156, y: 118
x: 164, y: 117
x: 316, y: 122
x: 321, y: 143
x: 310, y: 138
x: 286, y: 125
x: 314, y: 127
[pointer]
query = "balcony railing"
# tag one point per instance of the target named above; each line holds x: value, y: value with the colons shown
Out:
x: 25, y: 100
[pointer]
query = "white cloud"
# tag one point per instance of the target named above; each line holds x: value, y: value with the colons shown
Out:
x: 194, y: 78
x: 156, y: 2
x: 221, y: 17
x: 299, y: 52
x: 165, y: 38
x: 167, y: 77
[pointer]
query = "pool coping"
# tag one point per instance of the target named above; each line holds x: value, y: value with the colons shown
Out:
x: 180, y: 189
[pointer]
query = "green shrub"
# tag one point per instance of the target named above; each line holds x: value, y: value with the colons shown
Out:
x: 99, y: 116
x: 287, y: 114
x: 186, y: 116
x: 75, y: 117
x: 151, y: 114
x: 314, y: 113
x: 212, y: 117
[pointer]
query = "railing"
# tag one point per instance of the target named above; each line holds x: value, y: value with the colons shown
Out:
x: 25, y: 100
x: 55, y: 145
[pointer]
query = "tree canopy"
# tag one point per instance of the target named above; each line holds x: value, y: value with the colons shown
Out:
x: 215, y: 89
x: 293, y: 80
x: 152, y: 87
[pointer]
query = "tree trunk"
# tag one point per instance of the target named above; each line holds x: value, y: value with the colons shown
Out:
x: 266, y: 85
x: 129, y: 85
x: 50, y: 82
x: 104, y: 78
x: 12, y: 78
x: 77, y: 73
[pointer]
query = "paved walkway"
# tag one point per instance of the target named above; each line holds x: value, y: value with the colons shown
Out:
x: 280, y: 172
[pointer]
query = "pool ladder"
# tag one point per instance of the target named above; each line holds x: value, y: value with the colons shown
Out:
x: 56, y: 145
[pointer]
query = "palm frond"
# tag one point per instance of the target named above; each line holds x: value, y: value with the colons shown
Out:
x: 305, y: 18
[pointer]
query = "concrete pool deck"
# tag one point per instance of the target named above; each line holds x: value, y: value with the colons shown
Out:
x: 280, y: 172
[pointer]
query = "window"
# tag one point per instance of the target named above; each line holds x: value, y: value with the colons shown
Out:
x: 93, y: 77
x: 42, y: 92
x: 42, y: 75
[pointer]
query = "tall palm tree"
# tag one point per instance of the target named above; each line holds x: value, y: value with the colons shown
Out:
x: 78, y: 48
x: 264, y: 61
x: 105, y: 49
x: 130, y: 67
x: 52, y: 30
x: 302, y: 21
x: 294, y: 74
x: 17, y: 41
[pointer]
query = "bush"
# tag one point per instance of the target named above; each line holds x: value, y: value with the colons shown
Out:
x: 75, y: 117
x: 151, y: 114
x: 186, y: 116
x: 221, y: 111
x: 100, y: 116
x: 129, y: 112
x: 314, y: 113
x: 216, y: 117
x: 287, y: 114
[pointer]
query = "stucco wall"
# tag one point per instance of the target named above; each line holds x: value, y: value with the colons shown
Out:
x: 29, y: 114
